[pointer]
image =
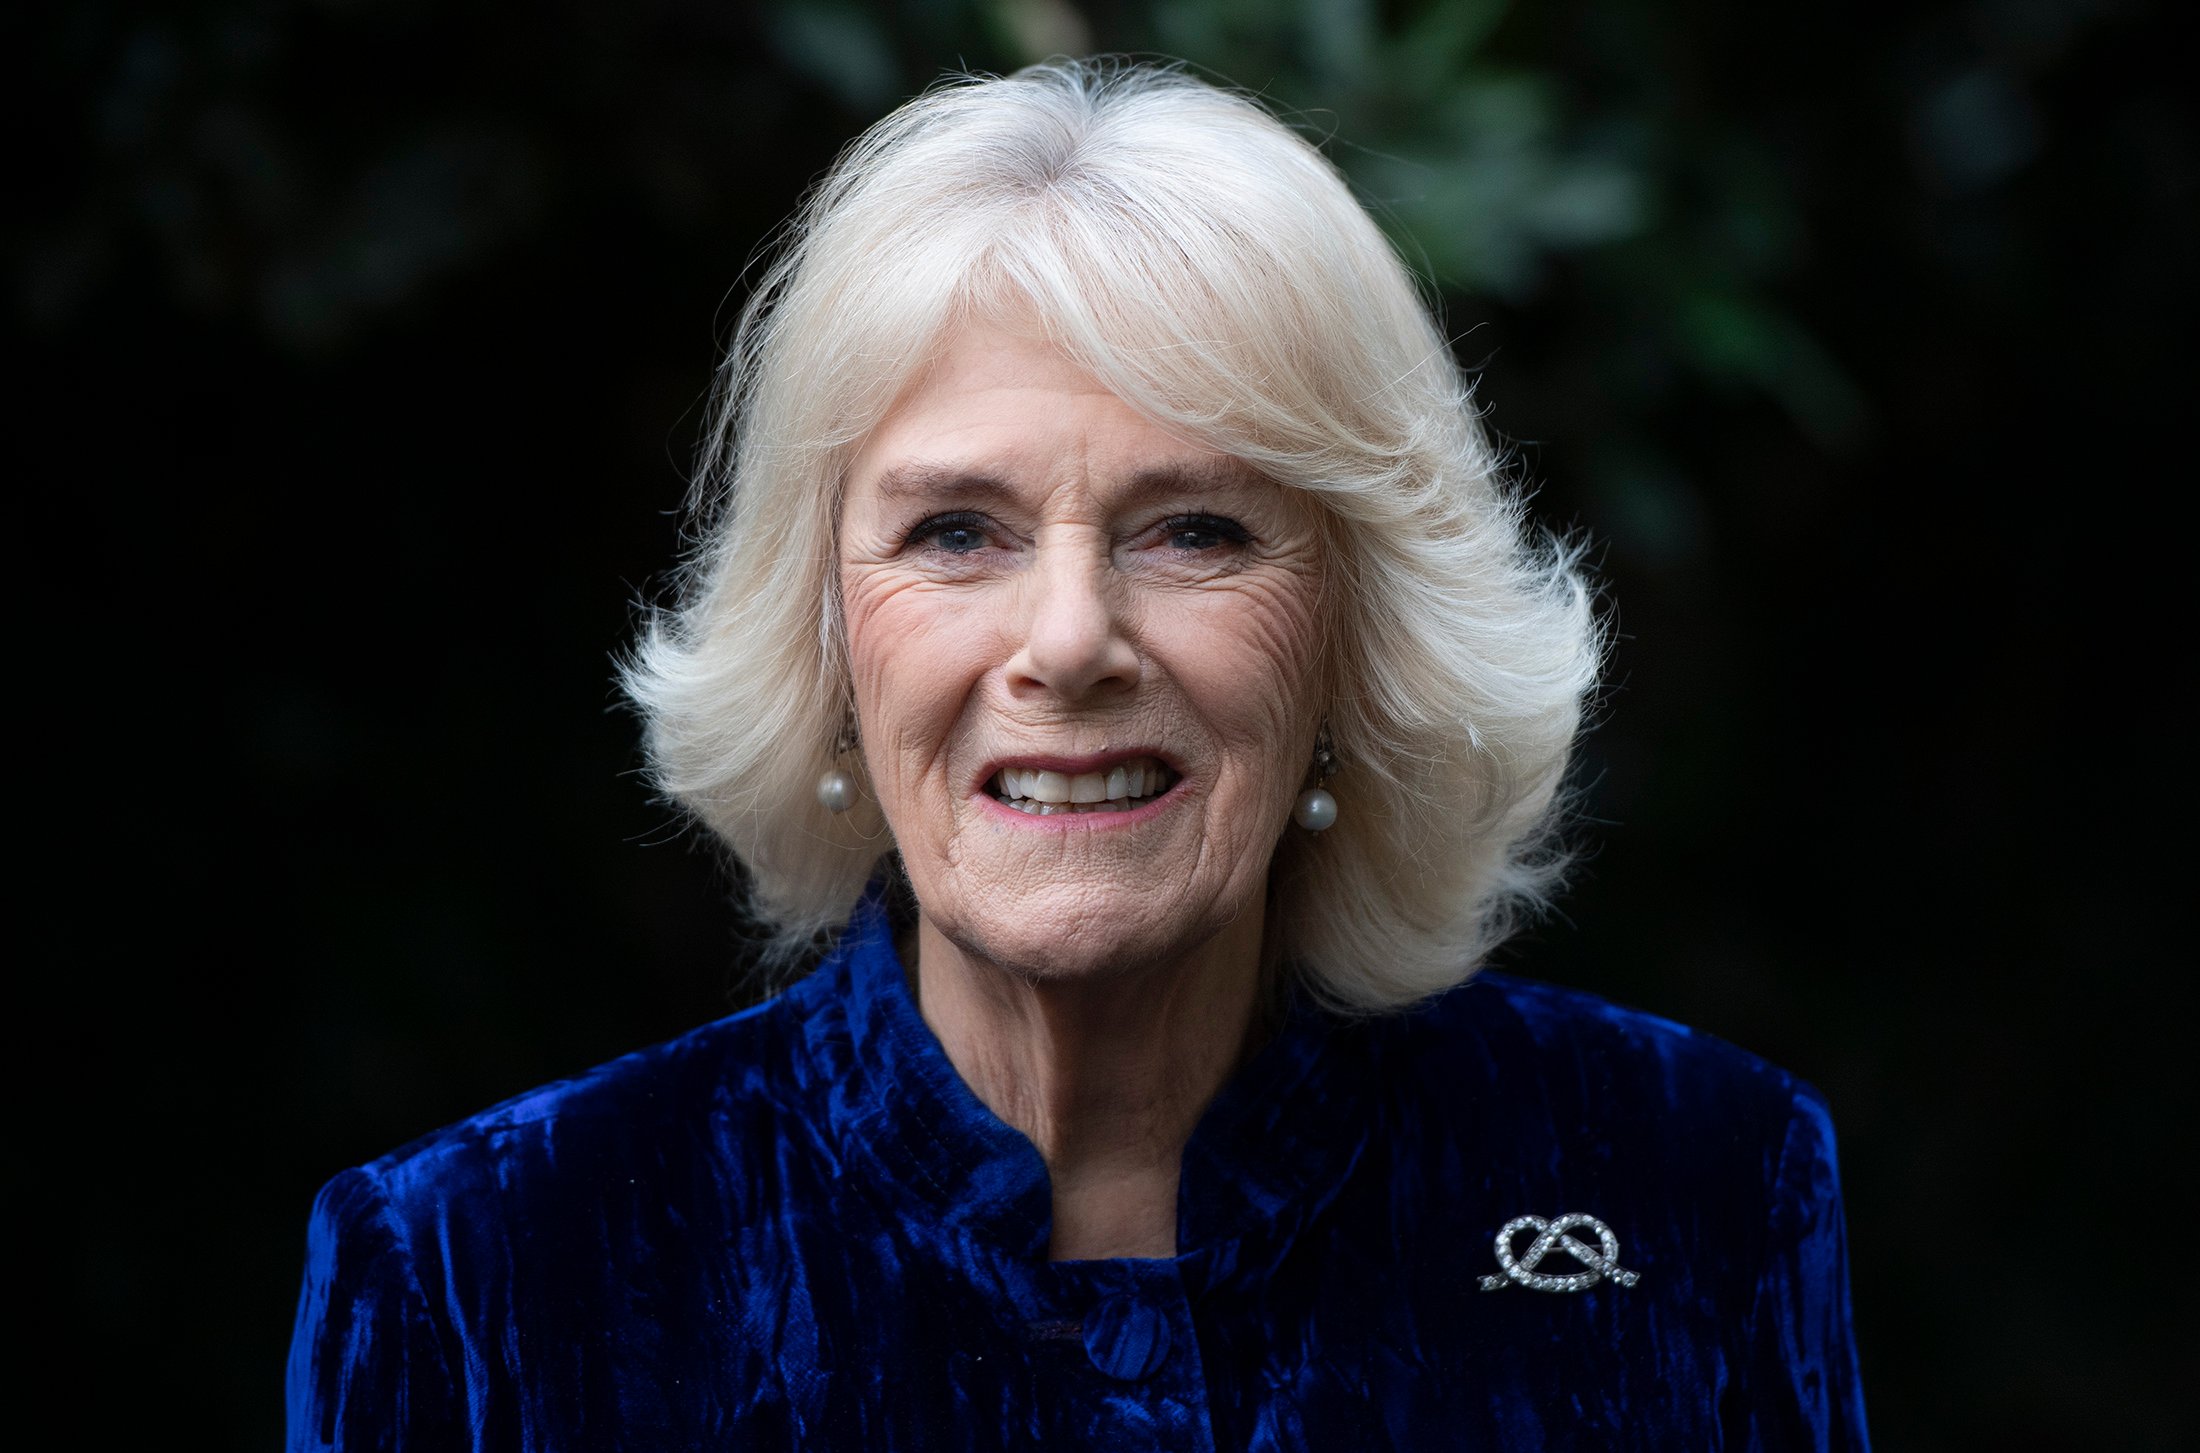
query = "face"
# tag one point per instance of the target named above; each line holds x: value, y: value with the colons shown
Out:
x: 1084, y: 656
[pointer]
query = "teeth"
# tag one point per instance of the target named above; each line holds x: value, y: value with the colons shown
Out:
x: 1051, y: 809
x: 1042, y: 793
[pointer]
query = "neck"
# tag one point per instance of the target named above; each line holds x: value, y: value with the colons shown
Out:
x: 1106, y: 1074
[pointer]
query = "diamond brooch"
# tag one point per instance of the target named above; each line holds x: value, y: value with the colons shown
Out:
x: 1600, y: 1261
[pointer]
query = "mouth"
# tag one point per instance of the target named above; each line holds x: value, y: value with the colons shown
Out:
x: 1048, y: 790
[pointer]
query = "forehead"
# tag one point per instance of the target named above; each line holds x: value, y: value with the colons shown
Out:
x: 999, y: 408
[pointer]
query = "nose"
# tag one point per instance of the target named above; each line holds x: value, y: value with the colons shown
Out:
x: 1073, y: 643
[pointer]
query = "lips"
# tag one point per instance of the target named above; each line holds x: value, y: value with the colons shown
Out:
x: 1051, y: 786
x: 1040, y: 792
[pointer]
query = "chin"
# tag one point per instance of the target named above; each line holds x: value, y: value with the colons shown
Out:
x: 1072, y: 931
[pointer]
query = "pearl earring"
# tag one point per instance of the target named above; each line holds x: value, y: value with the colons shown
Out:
x: 836, y: 790
x: 1316, y: 809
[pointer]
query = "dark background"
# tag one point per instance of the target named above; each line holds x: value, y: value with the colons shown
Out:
x: 365, y: 345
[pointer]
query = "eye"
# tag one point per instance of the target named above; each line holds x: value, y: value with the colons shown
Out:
x: 1203, y: 532
x: 958, y: 533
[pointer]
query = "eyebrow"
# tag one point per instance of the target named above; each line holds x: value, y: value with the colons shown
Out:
x: 925, y: 479
x: 921, y: 479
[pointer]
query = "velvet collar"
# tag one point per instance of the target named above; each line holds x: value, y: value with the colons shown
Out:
x: 1272, y: 1150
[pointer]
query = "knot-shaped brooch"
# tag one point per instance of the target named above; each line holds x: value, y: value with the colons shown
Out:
x: 1599, y: 1261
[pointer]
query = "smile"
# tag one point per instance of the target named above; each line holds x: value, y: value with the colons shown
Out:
x: 1121, y: 787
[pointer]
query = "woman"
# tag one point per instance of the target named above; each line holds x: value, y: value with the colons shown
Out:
x: 1109, y: 591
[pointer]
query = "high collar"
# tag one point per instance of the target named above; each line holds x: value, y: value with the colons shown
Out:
x: 1270, y: 1151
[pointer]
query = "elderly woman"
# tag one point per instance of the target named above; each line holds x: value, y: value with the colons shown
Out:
x: 1105, y: 587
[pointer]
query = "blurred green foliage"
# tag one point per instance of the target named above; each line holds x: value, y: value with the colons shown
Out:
x: 1488, y: 167
x: 1492, y: 168
x: 1487, y: 163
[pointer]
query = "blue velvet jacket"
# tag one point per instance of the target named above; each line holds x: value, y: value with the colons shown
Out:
x: 799, y: 1228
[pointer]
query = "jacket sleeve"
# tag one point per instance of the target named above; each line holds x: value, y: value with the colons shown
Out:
x: 1806, y: 1392
x: 368, y: 1365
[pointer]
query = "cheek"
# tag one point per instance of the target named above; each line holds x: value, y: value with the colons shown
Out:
x: 874, y: 628
x: 1250, y: 657
x: 910, y: 652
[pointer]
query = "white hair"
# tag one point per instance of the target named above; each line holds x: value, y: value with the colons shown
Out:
x: 1211, y: 268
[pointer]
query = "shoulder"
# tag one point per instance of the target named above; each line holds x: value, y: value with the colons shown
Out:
x: 1564, y: 1096
x: 1708, y: 1170
x: 671, y: 1114
x: 1593, y: 1052
x: 449, y: 1272
x: 1619, y: 1034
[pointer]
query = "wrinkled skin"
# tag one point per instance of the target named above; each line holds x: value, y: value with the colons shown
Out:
x: 1077, y: 612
